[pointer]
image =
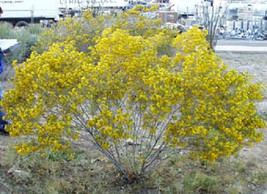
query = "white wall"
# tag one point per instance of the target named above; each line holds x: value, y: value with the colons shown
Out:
x: 74, y: 4
x: 25, y: 8
x: 182, y: 6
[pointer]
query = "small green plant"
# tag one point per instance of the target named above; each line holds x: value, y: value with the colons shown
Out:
x: 5, y: 30
x: 201, y: 183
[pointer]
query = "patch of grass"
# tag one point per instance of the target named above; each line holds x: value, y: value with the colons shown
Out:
x: 264, y: 115
x: 232, y: 175
x: 200, y: 182
x: 259, y: 177
x: 89, y: 172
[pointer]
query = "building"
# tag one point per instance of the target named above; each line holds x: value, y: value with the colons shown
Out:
x: 83, y: 4
x: 184, y: 6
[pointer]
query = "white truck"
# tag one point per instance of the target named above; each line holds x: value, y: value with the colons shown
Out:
x: 74, y: 6
x: 22, y: 12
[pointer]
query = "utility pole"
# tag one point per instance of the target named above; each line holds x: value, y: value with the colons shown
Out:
x: 212, y: 17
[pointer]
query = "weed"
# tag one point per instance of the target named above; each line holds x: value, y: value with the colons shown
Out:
x: 199, y: 182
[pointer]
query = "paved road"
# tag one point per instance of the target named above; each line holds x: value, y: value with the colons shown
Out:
x: 258, y: 43
x: 242, y: 45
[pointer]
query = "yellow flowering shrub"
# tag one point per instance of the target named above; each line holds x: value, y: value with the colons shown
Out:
x: 135, y: 103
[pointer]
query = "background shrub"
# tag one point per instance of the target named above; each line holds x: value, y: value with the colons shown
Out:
x: 27, y: 36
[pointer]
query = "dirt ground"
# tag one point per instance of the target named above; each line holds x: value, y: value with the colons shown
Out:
x: 255, y: 64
